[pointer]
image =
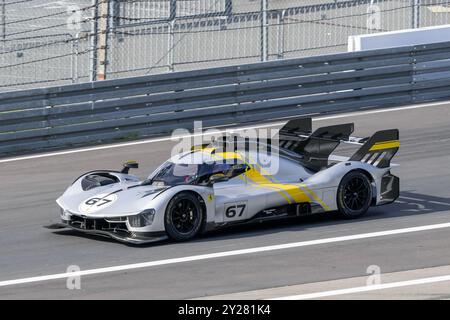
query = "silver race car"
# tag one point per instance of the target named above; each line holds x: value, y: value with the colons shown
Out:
x: 212, y: 186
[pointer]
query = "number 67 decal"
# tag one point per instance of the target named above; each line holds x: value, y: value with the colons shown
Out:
x: 97, y: 203
x: 235, y: 210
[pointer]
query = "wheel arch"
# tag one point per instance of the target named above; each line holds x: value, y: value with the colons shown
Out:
x: 372, y: 182
x: 202, y: 205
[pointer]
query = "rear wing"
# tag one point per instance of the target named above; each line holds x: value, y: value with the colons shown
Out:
x: 379, y: 149
x: 314, y: 148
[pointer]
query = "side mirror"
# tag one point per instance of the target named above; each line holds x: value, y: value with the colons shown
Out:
x: 218, y: 178
x: 129, y: 165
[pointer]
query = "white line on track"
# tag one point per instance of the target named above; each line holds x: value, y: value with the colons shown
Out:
x: 133, y: 143
x: 375, y: 287
x: 223, y: 254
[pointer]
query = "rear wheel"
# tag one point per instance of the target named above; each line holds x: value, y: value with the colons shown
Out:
x: 354, y: 195
x: 183, y: 218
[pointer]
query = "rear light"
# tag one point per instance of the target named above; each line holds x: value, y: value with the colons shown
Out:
x: 145, y: 218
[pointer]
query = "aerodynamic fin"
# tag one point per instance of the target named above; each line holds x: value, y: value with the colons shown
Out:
x: 298, y: 126
x: 315, y: 147
x: 379, y: 149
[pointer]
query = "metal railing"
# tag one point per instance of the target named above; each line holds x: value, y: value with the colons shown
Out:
x: 155, y: 36
x: 129, y: 108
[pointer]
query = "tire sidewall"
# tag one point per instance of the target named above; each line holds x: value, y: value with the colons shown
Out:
x: 168, y: 224
x: 343, y: 210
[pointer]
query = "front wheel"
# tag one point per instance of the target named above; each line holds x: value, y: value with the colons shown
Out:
x: 354, y: 195
x: 183, y: 218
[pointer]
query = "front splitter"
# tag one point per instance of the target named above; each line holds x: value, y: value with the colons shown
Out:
x: 137, y: 240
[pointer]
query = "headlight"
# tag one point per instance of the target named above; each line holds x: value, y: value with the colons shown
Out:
x: 65, y: 215
x: 145, y: 218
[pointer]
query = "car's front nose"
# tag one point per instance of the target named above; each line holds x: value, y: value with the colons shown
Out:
x: 135, y: 228
x: 128, y: 212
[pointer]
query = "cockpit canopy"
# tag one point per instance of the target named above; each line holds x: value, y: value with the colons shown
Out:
x: 195, y: 168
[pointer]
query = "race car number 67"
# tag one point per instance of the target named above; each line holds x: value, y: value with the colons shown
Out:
x: 97, y: 203
x: 100, y: 201
x: 234, y: 210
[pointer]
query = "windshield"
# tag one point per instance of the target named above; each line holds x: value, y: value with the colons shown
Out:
x: 180, y: 173
x: 171, y: 173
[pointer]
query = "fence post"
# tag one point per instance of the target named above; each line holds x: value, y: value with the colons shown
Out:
x: 102, y: 21
x: 75, y: 53
x: 72, y: 61
x: 415, y: 14
x: 114, y: 9
x: 3, y: 20
x: 264, y: 32
x: 171, y: 34
x: 280, y: 33
x: 228, y: 7
x: 170, y: 45
x: 173, y: 9
x: 93, y: 42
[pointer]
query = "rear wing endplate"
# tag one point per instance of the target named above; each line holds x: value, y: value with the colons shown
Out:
x: 379, y: 149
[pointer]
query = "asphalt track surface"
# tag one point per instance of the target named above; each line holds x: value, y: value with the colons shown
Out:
x: 29, y: 187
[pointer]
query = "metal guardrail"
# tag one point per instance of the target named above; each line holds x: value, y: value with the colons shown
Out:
x: 129, y: 108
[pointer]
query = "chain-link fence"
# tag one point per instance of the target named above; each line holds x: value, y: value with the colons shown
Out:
x: 44, y: 42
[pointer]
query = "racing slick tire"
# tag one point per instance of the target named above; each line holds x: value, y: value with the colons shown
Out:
x: 183, y: 219
x: 354, y: 195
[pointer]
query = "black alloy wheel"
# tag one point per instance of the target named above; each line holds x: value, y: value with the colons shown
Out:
x: 184, y: 217
x: 354, y: 194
